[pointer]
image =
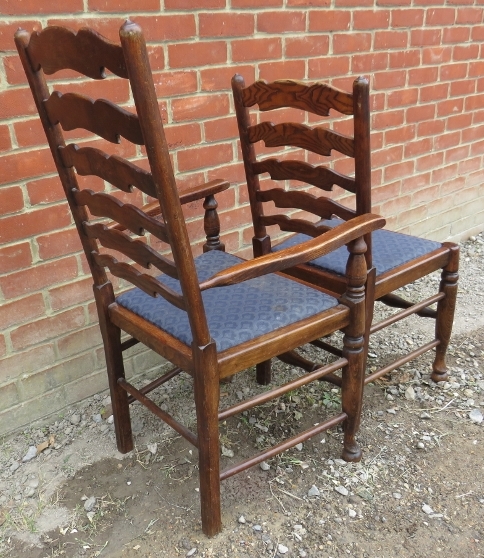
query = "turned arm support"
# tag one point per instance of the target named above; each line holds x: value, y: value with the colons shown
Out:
x: 296, y: 255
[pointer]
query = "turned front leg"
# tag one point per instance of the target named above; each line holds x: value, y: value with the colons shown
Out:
x: 211, y: 225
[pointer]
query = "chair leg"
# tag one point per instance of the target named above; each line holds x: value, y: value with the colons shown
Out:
x: 207, y: 394
x: 263, y: 373
x: 114, y: 362
x: 352, y: 394
x: 445, y: 315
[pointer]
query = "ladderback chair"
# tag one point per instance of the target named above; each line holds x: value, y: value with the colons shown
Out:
x: 211, y: 316
x: 393, y: 259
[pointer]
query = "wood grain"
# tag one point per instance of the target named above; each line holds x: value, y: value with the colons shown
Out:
x: 287, y: 224
x: 146, y: 283
x: 322, y: 206
x: 135, y: 249
x: 86, y: 52
x: 115, y: 170
x: 318, y: 140
x: 132, y: 218
x: 101, y: 117
x: 317, y: 98
x: 319, y: 176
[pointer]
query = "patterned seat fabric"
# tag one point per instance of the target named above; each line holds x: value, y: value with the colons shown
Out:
x: 236, y: 313
x: 390, y: 249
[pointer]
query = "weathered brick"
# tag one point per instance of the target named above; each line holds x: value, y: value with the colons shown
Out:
x: 281, y: 22
x: 226, y: 24
x: 21, y: 310
x: 188, y: 55
x: 200, y: 106
x: 28, y: 7
x: 207, y: 156
x: 256, y: 49
x: 306, y: 46
x: 11, y: 200
x: 16, y: 256
x: 25, y: 362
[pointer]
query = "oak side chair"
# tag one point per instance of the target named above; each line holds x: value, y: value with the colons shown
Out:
x: 211, y: 316
x: 393, y: 259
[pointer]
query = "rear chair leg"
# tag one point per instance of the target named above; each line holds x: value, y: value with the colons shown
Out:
x: 114, y: 362
x: 207, y: 394
x: 445, y: 315
x: 263, y: 373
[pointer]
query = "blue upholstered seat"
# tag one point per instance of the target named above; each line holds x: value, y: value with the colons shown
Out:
x: 389, y: 249
x: 236, y: 313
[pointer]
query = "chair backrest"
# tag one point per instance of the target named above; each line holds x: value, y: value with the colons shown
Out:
x: 316, y: 144
x: 88, y: 53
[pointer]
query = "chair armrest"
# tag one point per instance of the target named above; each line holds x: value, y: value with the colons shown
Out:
x: 203, y: 190
x: 192, y: 194
x: 302, y: 253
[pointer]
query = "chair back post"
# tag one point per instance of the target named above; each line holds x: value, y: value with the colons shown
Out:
x: 261, y: 241
x: 141, y: 80
x: 55, y: 138
x: 361, y: 113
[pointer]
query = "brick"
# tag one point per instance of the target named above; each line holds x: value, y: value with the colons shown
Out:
x: 328, y: 67
x: 38, y: 277
x: 30, y: 133
x: 398, y: 3
x: 14, y: 70
x: 16, y: 102
x: 256, y: 49
x: 476, y: 69
x: 26, y: 361
x: 329, y: 20
x: 57, y: 376
x: 444, y: 173
x: 469, y: 165
x: 71, y: 294
x: 45, y: 190
x: 389, y: 80
x: 309, y: 3
x: 440, y: 16
x: 459, y: 122
x: 188, y: 55
x: 456, y: 34
x: 388, y: 119
x: 193, y: 4
x: 368, y: 63
x: 200, y: 106
x: 256, y: 3
x: 207, y: 156
x: 407, y: 18
x: 404, y: 59
x: 21, y: 310
x: 87, y: 386
x: 429, y: 162
x: 123, y: 5
x: 47, y: 328
x: 306, y: 46
x: 465, y: 52
x: 281, y: 22
x: 167, y: 27
x: 416, y: 182
x: 402, y: 134
x: 462, y: 87
x: 415, y: 148
x: 473, y: 103
x: 473, y: 134
x: 423, y: 37
x: 5, y: 143
x: 436, y: 55
x: 432, y: 93
x: 182, y: 135
x: 221, y: 129
x: 400, y: 170
x: 386, y: 156
x: 390, y: 39
x: 225, y: 24
x: 396, y: 206
x: 445, y: 141
x: 426, y: 195
x: 27, y: 7
x: 82, y: 340
x: 29, y: 224
x: 350, y: 43
x: 420, y: 76
x: 477, y: 33
x: 175, y: 83
x: 11, y: 200
x: 469, y: 15
x: 8, y: 396
x: 15, y: 257
x: 18, y: 166
x: 402, y: 97
x: 430, y: 128
x: 457, y: 154
x: 371, y: 19
x: 452, y: 72
x: 354, y: 3
x: 219, y: 78
x: 271, y: 71
x: 450, y: 106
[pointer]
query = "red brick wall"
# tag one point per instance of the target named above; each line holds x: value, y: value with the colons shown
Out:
x: 425, y: 60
